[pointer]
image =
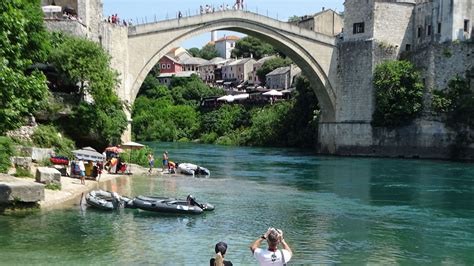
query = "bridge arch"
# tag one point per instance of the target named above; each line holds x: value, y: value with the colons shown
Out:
x: 314, y: 53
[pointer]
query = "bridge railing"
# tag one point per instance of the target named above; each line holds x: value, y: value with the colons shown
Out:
x: 196, y: 13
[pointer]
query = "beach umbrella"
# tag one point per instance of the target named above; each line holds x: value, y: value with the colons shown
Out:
x: 132, y: 146
x: 51, y: 9
x: 272, y: 93
x: 88, y: 155
x: 241, y: 96
x: 227, y: 98
x: 89, y: 148
x: 114, y: 149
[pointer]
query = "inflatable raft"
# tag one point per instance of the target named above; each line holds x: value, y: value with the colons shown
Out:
x: 192, y: 169
x: 170, y: 205
x: 103, y: 200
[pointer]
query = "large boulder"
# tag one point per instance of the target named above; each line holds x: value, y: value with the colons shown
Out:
x: 16, y: 189
x: 47, y: 175
x: 23, y: 162
x: 38, y: 154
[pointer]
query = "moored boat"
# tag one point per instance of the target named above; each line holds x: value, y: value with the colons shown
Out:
x: 171, y: 205
x: 192, y: 169
x: 103, y: 200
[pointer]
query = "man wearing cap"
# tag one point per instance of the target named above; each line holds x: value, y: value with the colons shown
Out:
x: 272, y: 255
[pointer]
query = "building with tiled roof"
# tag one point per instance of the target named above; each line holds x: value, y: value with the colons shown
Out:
x: 225, y: 45
x: 282, y: 78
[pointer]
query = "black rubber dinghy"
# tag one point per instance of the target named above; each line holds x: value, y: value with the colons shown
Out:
x: 169, y: 205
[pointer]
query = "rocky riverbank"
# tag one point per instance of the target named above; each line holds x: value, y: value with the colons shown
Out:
x: 71, y: 188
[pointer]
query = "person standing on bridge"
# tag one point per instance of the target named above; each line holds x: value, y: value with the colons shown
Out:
x: 180, y: 15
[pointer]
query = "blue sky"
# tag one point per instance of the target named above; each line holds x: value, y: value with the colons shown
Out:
x: 162, y: 9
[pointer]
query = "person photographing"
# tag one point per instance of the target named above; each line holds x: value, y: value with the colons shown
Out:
x: 272, y: 255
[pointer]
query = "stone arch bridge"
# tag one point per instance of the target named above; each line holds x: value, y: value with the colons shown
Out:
x: 136, y: 49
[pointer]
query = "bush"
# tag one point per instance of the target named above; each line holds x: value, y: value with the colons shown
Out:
x: 209, y: 138
x: 47, y: 136
x: 6, y: 151
x: 22, y: 172
x: 398, y: 94
x: 137, y: 156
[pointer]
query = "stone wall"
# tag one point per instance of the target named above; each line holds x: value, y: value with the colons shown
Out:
x: 71, y: 27
x: 357, y: 11
x: 442, y: 62
x: 393, y: 24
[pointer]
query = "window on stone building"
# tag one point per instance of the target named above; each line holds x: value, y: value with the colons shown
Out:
x: 420, y: 30
x: 428, y: 30
x: 407, y: 47
x: 466, y: 25
x: 439, y: 28
x: 358, y: 28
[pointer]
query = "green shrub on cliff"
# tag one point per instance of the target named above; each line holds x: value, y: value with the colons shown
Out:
x: 398, y: 94
x: 47, y: 136
x: 6, y: 151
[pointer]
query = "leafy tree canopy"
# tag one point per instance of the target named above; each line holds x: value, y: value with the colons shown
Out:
x: 23, y: 41
x: 398, y: 93
x: 272, y: 64
x: 85, y: 62
x: 249, y: 45
x: 208, y: 52
x: 195, y: 52
x: 294, y: 18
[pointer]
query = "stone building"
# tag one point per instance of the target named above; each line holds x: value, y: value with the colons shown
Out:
x: 282, y: 78
x: 208, y: 71
x: 238, y: 70
x: 225, y: 45
x: 253, y: 77
x: 327, y: 22
x: 408, y: 24
x: 431, y: 34
x: 87, y: 12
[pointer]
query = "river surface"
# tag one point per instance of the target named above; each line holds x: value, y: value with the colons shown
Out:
x: 331, y: 210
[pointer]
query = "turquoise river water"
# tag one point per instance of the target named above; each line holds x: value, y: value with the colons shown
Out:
x: 331, y: 210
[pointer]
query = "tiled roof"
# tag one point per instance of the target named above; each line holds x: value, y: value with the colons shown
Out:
x: 194, y: 61
x: 279, y: 71
x: 228, y: 38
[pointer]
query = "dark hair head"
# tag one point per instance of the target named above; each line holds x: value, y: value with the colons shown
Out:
x: 221, y: 247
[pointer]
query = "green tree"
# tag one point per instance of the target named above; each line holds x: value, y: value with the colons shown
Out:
x: 195, y: 52
x: 294, y: 18
x: 302, y: 119
x: 208, y: 52
x: 82, y: 62
x: 398, y: 94
x: 85, y: 62
x: 22, y: 41
x: 270, y: 65
x: 249, y: 45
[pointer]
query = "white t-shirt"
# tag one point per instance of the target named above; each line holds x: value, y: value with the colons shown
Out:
x: 267, y: 257
x: 81, y: 166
